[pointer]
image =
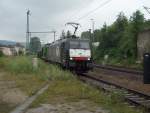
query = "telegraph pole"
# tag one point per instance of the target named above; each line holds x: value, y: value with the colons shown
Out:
x: 90, y: 36
x: 93, y: 24
x: 54, y: 35
x: 28, y: 31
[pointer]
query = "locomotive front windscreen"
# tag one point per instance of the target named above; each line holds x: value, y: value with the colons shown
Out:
x: 79, y: 44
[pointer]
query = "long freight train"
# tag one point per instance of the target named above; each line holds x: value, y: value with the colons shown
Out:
x: 71, y: 53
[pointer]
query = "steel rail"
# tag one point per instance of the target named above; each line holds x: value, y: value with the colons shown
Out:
x: 119, y: 69
x: 130, y: 95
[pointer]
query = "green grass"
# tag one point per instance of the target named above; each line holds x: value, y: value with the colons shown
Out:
x: 20, y: 69
x: 21, y: 64
x: 64, y: 86
x: 62, y: 91
x: 5, y: 108
x: 29, y: 79
x: 129, y: 63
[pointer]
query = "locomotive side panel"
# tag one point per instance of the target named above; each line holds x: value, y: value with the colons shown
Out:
x: 63, y: 55
x: 53, y: 53
x: 57, y: 53
x: 49, y: 49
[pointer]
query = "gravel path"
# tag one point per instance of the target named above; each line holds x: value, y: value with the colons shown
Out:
x: 26, y: 104
x: 72, y: 107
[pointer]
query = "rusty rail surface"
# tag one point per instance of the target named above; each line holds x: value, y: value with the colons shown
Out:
x: 132, y: 96
x: 119, y: 69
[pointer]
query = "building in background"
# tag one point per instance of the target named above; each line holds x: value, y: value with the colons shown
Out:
x: 143, y: 43
x: 12, y: 50
x: 7, y: 51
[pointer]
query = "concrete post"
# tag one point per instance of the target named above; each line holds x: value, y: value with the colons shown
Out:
x: 35, y: 63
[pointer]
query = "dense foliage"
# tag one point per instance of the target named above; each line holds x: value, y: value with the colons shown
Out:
x: 65, y: 35
x: 119, y: 40
x: 35, y: 45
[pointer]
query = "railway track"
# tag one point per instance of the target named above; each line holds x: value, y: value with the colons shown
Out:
x: 118, y: 69
x: 132, y: 96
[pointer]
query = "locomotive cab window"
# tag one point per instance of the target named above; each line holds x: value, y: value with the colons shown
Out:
x: 79, y: 44
x: 74, y: 44
x: 84, y: 45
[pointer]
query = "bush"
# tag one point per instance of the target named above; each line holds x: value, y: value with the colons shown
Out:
x: 18, y: 64
x: 23, y: 65
x: 1, y: 54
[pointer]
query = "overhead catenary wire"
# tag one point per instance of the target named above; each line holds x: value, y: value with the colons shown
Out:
x: 78, y: 11
x: 88, y: 13
x: 73, y: 15
x: 100, y: 6
x: 147, y: 9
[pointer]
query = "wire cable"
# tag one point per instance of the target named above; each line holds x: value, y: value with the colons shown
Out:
x: 100, y: 6
x: 77, y: 12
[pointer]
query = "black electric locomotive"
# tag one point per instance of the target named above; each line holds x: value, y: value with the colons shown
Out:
x: 70, y: 53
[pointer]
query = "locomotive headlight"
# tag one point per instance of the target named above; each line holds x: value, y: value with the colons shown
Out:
x: 88, y: 58
x: 71, y: 58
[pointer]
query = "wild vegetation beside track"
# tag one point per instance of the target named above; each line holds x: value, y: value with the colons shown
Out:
x: 64, y: 87
x: 119, y: 40
x: 20, y: 70
x: 62, y: 91
x: 20, y: 80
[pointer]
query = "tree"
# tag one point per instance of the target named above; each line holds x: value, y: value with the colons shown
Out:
x: 86, y: 35
x: 35, y: 45
x: 147, y: 24
x: 103, y: 41
x: 121, y: 22
x: 137, y: 22
x: 97, y: 35
x: 120, y: 25
x: 1, y: 53
x: 119, y: 40
x: 63, y: 34
x: 127, y: 43
x: 68, y: 34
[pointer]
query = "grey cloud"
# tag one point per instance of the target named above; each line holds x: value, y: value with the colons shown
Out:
x: 52, y: 14
x: 43, y: 13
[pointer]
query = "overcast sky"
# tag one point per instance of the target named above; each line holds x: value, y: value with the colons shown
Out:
x: 47, y: 15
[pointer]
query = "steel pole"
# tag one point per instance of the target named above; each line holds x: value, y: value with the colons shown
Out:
x: 27, y: 33
x: 54, y: 35
x: 93, y: 24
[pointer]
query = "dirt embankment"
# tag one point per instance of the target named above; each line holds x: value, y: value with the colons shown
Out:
x: 127, y: 80
x: 10, y: 94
